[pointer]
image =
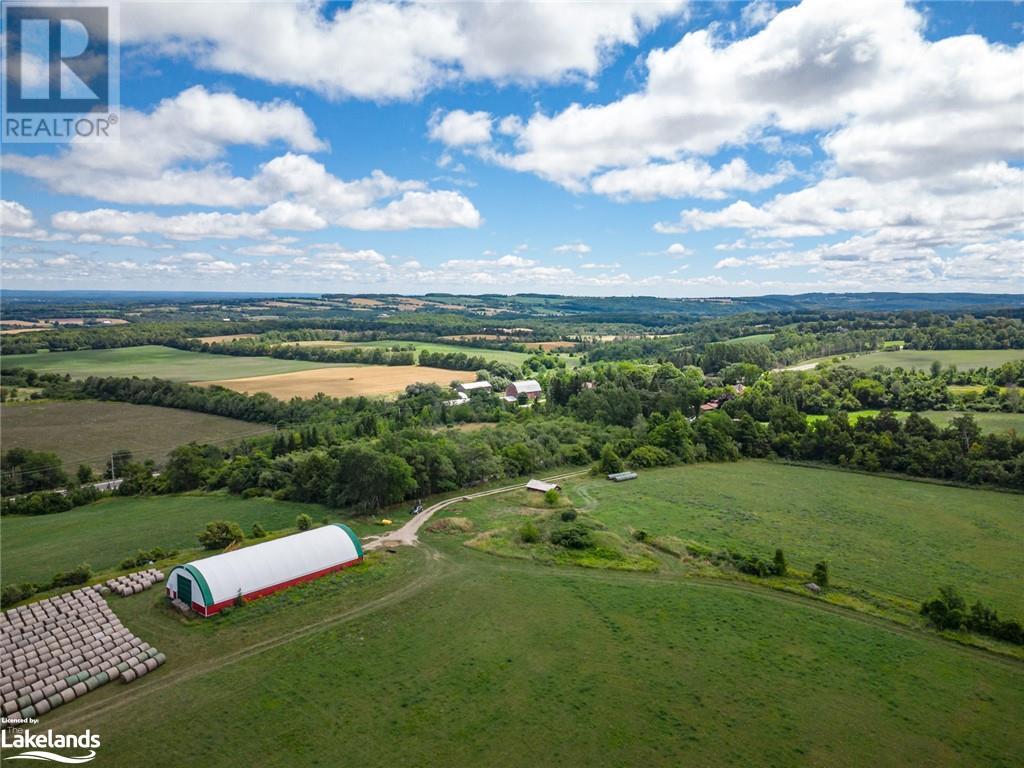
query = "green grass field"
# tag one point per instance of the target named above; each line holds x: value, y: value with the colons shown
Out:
x: 963, y: 359
x: 444, y: 656
x: 87, y: 431
x: 755, y: 338
x: 499, y: 355
x: 989, y: 422
x: 893, y: 537
x: 959, y: 390
x: 104, y: 533
x: 155, y: 361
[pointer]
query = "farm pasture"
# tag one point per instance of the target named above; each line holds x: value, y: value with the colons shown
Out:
x: 755, y: 338
x: 153, y: 361
x: 105, y: 532
x: 922, y: 359
x: 87, y: 431
x: 988, y: 422
x: 889, y: 536
x: 461, y: 654
x: 498, y: 355
x: 351, y: 381
x: 226, y: 337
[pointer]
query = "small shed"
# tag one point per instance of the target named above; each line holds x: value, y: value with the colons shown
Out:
x: 619, y: 477
x: 541, y: 486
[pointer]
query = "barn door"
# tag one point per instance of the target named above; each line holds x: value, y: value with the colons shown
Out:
x: 185, y: 589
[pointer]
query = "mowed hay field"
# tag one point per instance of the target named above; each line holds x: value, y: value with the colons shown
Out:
x: 988, y: 422
x: 154, y: 361
x: 963, y: 359
x: 109, y: 530
x: 890, y: 536
x: 351, y: 381
x: 86, y: 431
x: 443, y: 656
x: 498, y: 355
x: 756, y: 338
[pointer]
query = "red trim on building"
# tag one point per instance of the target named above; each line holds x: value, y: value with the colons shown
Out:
x: 204, y: 610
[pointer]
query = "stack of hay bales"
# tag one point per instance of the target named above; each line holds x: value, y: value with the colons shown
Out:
x: 58, y: 649
x: 134, y: 583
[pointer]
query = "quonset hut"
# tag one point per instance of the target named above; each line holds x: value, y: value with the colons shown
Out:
x: 213, y: 583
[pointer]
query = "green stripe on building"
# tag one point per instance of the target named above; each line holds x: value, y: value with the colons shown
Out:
x: 201, y: 581
x: 352, y: 535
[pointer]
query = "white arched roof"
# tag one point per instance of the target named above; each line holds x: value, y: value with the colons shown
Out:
x: 243, y: 571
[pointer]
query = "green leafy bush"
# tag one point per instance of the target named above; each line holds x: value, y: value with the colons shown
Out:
x: 529, y: 533
x: 303, y: 522
x: 820, y: 575
x: 78, y: 575
x: 15, y: 593
x: 649, y: 456
x: 572, y: 536
x: 949, y: 611
x: 220, y: 533
x: 779, y: 561
x: 144, y: 557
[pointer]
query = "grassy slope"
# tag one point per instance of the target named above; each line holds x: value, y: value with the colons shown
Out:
x: 891, y: 536
x: 755, y: 338
x: 494, y: 662
x: 500, y: 355
x: 922, y: 358
x: 150, y: 360
x: 989, y: 422
x: 104, y: 533
x: 85, y: 431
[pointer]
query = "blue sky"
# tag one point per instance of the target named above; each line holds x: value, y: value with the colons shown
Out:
x: 660, y: 148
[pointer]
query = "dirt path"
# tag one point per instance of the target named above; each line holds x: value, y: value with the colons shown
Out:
x: 408, y: 534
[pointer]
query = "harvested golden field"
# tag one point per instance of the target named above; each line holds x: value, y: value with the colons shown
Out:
x: 368, y: 380
x: 547, y: 346
x: 474, y: 337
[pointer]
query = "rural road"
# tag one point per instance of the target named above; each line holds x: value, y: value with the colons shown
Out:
x: 407, y: 535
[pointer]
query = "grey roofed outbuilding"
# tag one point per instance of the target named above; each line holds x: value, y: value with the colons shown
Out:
x: 543, y: 487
